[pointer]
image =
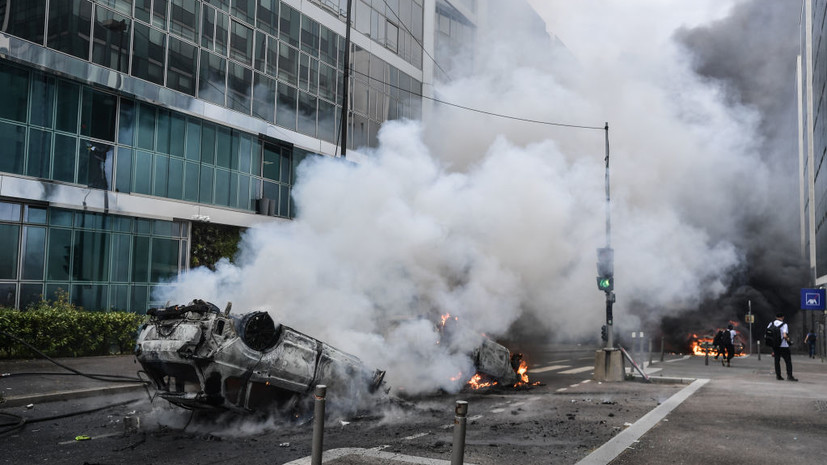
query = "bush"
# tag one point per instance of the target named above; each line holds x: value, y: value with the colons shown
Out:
x: 60, y: 329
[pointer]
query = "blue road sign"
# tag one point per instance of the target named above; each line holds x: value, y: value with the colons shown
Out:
x: 812, y: 299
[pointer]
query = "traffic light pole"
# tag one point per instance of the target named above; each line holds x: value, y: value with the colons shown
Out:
x: 610, y: 297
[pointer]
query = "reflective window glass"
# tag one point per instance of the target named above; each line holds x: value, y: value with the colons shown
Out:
x: 123, y: 6
x: 148, y: 54
x: 35, y: 215
x: 243, y: 192
x: 126, y: 122
x: 91, y: 297
x: 259, y: 55
x: 146, y: 126
x: 119, y: 298
x: 181, y: 66
x: 307, y: 114
x: 13, y: 141
x: 255, y: 163
x: 327, y: 82
x: 327, y: 45
x: 67, y: 106
x: 40, y: 153
x: 138, y: 299
x: 328, y: 116
x: 58, y: 266
x: 193, y: 150
x: 310, y: 36
x: 286, y: 106
x: 14, y: 97
x: 9, y: 211
x: 220, y: 4
x: 162, y: 132
x: 264, y: 98
x: 30, y: 294
x: 143, y: 226
x: 205, y: 192
x: 98, y: 114
x: 268, y: 16
x: 223, y: 151
x: 191, y: 178
x: 111, y: 45
x: 272, y: 162
x: 164, y: 259
x: 123, y: 183
x: 95, y: 164
x: 288, y: 64
x: 290, y: 25
x: 284, y: 201
x: 25, y: 20
x: 43, y: 99
x: 239, y: 84
x: 212, y: 77
x: 208, y: 144
x: 271, y: 66
x: 222, y: 187
x: 121, y: 246
x: 90, y: 260
x: 183, y: 19
x: 241, y: 152
x: 60, y: 217
x: 140, y: 259
x: 285, y: 166
x: 175, y: 186
x: 178, y: 127
x: 160, y: 177
x: 34, y: 251
x: 9, y: 236
x: 215, y: 29
x: 159, y: 13
x: 70, y: 25
x: 244, y: 9
x: 142, y: 179
x: 241, y: 43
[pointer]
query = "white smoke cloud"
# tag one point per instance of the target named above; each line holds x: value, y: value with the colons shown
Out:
x: 489, y: 219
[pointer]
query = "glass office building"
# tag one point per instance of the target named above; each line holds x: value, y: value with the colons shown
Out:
x: 125, y: 121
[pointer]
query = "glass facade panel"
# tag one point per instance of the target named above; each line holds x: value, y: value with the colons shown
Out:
x: 244, y: 9
x: 110, y: 47
x: 123, y: 183
x: 70, y: 25
x: 119, y: 298
x: 222, y: 187
x: 67, y: 106
x: 43, y: 99
x: 13, y: 99
x: 241, y: 43
x: 160, y: 178
x: 212, y: 76
x: 307, y: 114
x: 98, y: 114
x: 208, y: 144
x: 175, y: 189
x: 9, y: 237
x: 25, y: 19
x: 90, y: 260
x: 140, y: 259
x: 264, y: 97
x: 183, y: 61
x: 30, y: 294
x: 34, y: 252
x: 184, y: 15
x: 193, y: 149
x: 60, y: 254
x: 142, y: 181
x: 13, y: 141
x: 288, y: 64
x: 290, y: 25
x: 95, y: 164
x: 148, y: 54
x: 268, y: 16
x: 206, y: 185
x: 89, y: 296
x: 239, y: 84
x: 121, y: 246
x: 40, y: 153
x: 191, y: 177
x: 224, y: 146
x: 310, y: 37
x: 286, y: 106
x: 9, y: 211
x: 8, y: 295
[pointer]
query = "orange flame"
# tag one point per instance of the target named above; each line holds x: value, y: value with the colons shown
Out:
x: 476, y: 382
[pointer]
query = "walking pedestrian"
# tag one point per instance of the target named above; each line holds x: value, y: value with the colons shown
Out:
x: 810, y: 340
x: 728, y: 342
x: 779, y: 337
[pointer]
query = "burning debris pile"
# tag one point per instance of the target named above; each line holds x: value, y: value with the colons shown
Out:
x: 201, y: 358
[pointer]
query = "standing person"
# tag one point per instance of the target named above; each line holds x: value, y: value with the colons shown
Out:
x: 810, y: 340
x: 728, y: 341
x: 781, y: 348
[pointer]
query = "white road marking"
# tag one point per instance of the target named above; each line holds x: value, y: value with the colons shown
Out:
x: 609, y: 451
x: 577, y: 370
x: 415, y: 436
x: 548, y: 368
x: 377, y: 453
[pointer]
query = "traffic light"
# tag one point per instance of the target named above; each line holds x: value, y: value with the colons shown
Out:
x: 605, y: 269
x: 604, y: 333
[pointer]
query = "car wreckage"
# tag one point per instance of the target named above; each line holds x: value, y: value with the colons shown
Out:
x: 200, y: 357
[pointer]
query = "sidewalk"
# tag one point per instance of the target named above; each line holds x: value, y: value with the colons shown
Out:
x: 18, y: 386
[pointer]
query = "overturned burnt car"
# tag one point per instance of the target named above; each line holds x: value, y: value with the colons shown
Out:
x: 200, y: 357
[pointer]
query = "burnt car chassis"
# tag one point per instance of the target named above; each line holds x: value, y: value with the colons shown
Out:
x: 200, y: 358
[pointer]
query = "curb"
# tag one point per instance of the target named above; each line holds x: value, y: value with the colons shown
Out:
x: 17, y: 401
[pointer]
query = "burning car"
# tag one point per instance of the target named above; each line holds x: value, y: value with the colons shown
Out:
x: 199, y: 357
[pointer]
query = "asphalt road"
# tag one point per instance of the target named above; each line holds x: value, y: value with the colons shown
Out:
x: 740, y: 411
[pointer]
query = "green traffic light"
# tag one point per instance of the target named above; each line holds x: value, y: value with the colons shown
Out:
x: 605, y: 283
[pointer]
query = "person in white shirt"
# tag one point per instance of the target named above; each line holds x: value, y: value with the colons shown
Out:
x: 782, y: 351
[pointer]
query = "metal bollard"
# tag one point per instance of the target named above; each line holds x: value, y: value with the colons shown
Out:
x: 458, y: 452
x: 662, y: 342
x: 318, y: 425
x: 759, y: 350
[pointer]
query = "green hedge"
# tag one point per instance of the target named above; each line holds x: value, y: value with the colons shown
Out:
x: 61, y: 329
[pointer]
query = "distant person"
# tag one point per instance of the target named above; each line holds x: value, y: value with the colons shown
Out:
x: 717, y: 344
x: 728, y: 343
x: 810, y: 340
x: 780, y: 342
